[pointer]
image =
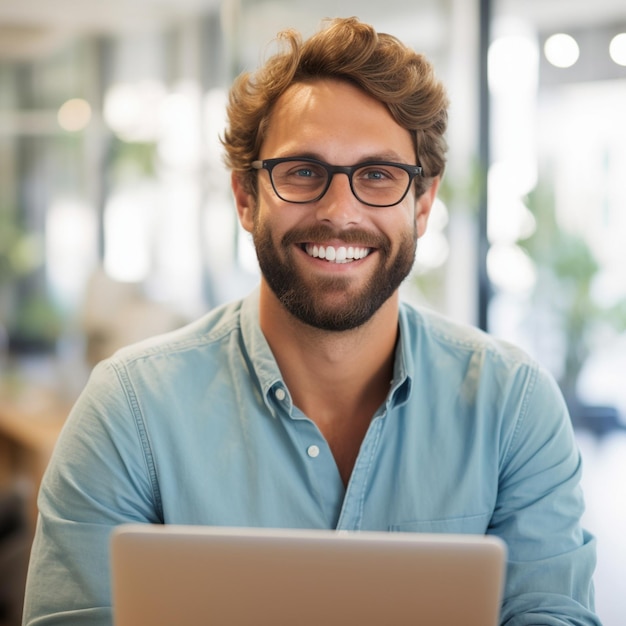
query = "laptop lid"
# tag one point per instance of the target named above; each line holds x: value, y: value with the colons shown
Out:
x: 173, y: 575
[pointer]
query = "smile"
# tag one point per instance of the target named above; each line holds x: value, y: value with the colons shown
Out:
x: 341, y: 254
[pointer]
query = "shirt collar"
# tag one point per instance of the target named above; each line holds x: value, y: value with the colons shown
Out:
x: 268, y: 373
x: 261, y: 357
x: 403, y: 367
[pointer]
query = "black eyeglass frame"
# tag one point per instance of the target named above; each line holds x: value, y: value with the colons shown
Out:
x: 269, y: 164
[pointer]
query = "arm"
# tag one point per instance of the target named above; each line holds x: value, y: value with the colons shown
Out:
x: 540, y: 503
x: 100, y: 475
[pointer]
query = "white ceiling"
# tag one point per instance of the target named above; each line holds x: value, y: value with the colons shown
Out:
x: 564, y: 14
x: 31, y: 28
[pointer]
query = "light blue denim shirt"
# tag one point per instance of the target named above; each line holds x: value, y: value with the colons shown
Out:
x: 198, y: 427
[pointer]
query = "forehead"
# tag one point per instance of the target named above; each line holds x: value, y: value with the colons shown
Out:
x: 336, y: 121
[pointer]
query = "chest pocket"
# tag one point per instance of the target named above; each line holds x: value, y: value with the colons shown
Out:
x: 471, y: 524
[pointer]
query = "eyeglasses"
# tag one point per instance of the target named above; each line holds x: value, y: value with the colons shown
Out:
x: 374, y: 183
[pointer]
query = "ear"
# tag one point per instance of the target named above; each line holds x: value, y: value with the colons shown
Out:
x: 244, y: 202
x: 424, y: 204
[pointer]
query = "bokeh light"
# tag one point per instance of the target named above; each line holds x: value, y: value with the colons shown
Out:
x: 561, y: 50
x: 74, y: 115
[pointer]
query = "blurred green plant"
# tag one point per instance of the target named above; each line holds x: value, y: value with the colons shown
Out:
x: 566, y: 271
x: 19, y: 250
x: 31, y: 320
x: 132, y: 159
x: 461, y: 193
x: 37, y: 325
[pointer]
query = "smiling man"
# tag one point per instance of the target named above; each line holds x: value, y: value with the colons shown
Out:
x: 321, y: 400
x: 334, y: 246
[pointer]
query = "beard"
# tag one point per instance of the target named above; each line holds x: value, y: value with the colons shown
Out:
x: 305, y: 296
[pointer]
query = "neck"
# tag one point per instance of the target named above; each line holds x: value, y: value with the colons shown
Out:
x: 319, y: 365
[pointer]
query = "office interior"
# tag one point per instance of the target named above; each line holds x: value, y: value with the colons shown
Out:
x: 116, y: 219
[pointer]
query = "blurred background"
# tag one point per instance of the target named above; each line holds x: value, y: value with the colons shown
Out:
x: 116, y: 220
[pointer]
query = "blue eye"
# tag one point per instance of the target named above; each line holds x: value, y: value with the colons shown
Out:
x: 300, y: 170
x: 379, y: 173
x: 305, y: 172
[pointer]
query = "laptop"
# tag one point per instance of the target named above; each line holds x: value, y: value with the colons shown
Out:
x: 167, y: 575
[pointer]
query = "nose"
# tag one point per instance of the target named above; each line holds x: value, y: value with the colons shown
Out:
x: 339, y: 205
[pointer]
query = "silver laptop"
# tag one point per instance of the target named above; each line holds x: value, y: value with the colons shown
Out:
x: 191, y: 575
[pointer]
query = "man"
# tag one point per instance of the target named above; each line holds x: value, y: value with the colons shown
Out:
x: 320, y: 401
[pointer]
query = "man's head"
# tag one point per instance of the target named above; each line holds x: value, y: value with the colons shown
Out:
x: 352, y: 51
x: 336, y: 149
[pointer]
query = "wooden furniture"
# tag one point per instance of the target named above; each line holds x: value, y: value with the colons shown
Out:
x: 30, y: 421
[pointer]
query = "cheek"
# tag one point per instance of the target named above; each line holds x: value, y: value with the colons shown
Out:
x: 408, y: 226
x: 277, y: 217
x: 266, y: 226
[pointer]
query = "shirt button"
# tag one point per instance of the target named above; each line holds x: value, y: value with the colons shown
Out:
x: 313, y: 451
x: 280, y: 394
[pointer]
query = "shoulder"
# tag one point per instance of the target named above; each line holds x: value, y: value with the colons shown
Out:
x: 191, y: 353
x: 165, y: 373
x: 430, y: 331
x: 450, y: 354
x: 210, y: 329
x: 478, y: 374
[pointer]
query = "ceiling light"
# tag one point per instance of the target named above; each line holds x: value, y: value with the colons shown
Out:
x: 561, y: 50
x: 617, y: 49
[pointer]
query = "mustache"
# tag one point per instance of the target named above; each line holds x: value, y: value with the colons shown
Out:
x: 322, y: 232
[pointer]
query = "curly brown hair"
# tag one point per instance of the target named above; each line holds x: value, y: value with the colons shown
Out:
x: 345, y: 49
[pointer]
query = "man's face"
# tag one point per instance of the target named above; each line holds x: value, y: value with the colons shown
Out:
x: 334, y: 262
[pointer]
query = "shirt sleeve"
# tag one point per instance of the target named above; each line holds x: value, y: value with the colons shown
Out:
x: 100, y: 475
x: 538, y: 512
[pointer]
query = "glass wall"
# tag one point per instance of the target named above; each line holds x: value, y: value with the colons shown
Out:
x: 114, y: 201
x: 556, y: 200
x: 116, y: 181
x: 556, y: 223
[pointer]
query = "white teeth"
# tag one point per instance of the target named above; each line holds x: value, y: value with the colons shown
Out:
x: 337, y: 255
